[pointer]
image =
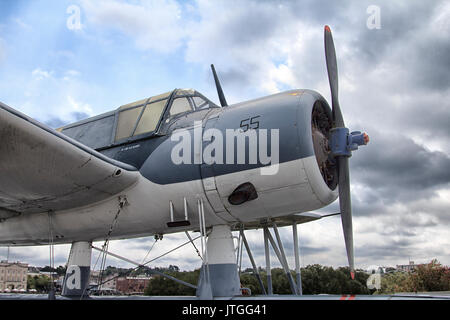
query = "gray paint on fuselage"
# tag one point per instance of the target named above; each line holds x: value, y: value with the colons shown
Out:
x: 135, y: 153
x: 290, y: 112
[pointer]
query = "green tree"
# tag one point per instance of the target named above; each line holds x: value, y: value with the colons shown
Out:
x: 48, y: 269
x: 40, y: 283
x: 429, y: 277
x: 393, y: 282
x: 316, y: 279
x: 61, y: 270
x: 31, y: 282
x: 161, y: 286
x: 249, y: 280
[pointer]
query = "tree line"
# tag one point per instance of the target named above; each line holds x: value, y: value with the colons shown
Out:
x: 318, y: 279
x: 425, y: 278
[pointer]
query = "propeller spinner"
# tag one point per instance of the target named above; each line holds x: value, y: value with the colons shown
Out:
x: 342, y: 145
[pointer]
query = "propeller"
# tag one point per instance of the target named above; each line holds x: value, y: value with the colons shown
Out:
x: 342, y: 144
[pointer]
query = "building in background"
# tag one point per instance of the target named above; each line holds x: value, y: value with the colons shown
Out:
x: 13, y: 276
x: 132, y: 285
x: 408, y: 267
x: 108, y: 281
x: 34, y: 271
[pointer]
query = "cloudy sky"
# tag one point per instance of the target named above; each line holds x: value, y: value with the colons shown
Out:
x: 61, y: 61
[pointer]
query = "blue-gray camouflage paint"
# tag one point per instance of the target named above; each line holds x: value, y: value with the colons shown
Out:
x: 76, y: 281
x: 224, y: 280
x: 290, y: 112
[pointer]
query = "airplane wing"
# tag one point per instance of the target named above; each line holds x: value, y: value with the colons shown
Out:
x: 43, y: 170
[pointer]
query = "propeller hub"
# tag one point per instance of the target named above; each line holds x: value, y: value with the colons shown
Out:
x: 342, y: 143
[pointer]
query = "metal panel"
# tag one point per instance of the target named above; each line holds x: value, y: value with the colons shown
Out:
x: 209, y: 182
x: 43, y: 172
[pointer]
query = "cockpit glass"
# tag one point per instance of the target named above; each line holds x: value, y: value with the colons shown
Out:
x: 143, y: 116
x: 180, y: 105
x: 185, y: 92
x: 126, y: 122
x: 200, y: 103
x: 150, y: 117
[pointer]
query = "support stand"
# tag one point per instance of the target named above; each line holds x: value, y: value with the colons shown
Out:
x: 76, y: 280
x: 223, y: 279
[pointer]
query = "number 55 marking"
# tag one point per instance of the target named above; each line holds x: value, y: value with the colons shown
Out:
x: 249, y: 123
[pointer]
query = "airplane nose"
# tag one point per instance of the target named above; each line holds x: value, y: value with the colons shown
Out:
x: 314, y: 125
x: 321, y: 146
x: 314, y: 128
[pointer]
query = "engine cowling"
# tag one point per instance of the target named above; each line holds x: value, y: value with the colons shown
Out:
x: 305, y: 179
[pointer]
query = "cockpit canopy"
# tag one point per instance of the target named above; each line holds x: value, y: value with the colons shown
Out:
x: 139, y: 119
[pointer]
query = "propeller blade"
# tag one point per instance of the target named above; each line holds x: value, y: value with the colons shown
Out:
x: 222, y: 100
x: 346, y: 209
x: 330, y: 57
x: 342, y: 160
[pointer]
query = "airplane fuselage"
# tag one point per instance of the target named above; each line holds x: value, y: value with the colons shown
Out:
x: 268, y: 143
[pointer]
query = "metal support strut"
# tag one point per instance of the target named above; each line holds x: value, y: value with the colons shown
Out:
x: 297, y: 259
x: 150, y: 270
x: 281, y: 256
x: 51, y: 292
x: 204, y: 290
x: 255, y: 269
x: 268, y: 268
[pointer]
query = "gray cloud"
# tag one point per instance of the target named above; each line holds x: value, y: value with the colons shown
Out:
x: 431, y: 59
x: 306, y: 247
x: 392, y: 250
x: 400, y: 22
x: 35, y: 256
x: 398, y: 169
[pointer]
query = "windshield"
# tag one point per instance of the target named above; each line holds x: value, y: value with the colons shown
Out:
x: 187, y: 100
x: 140, y: 117
x: 143, y: 116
